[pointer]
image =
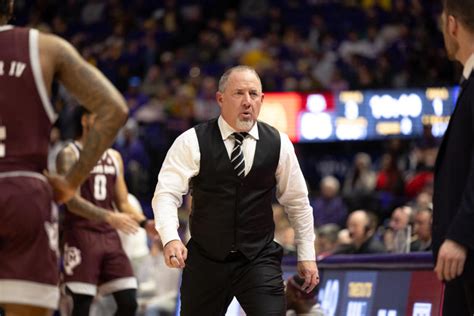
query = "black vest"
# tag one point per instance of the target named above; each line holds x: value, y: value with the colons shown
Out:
x: 230, y: 213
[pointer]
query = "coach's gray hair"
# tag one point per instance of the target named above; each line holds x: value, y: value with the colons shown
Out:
x: 225, y: 77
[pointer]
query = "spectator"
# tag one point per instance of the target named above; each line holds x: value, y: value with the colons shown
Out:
x: 135, y: 99
x: 329, y: 207
x: 390, y: 179
x: 326, y: 240
x: 398, y: 233
x: 362, y: 226
x: 135, y: 159
x: 359, y: 183
x: 422, y: 230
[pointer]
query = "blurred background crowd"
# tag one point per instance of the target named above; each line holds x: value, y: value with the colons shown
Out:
x: 166, y: 56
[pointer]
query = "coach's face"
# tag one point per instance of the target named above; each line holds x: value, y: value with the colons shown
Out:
x: 241, y: 100
x: 449, y: 27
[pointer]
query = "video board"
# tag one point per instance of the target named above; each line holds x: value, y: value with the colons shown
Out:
x: 360, y: 115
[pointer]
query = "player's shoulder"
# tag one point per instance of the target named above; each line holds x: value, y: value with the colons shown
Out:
x: 115, y: 154
x: 68, y: 149
x: 54, y: 47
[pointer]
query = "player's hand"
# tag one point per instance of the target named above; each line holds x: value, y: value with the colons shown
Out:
x: 62, y: 189
x: 151, y: 230
x: 175, y: 254
x: 451, y: 259
x: 122, y: 222
x: 309, y: 272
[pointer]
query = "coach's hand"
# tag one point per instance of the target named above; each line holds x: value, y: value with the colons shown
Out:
x: 451, y: 259
x: 175, y: 254
x: 309, y: 272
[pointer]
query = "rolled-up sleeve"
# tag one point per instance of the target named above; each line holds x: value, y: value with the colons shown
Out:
x: 180, y: 165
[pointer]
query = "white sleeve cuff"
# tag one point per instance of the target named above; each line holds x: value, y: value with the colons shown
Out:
x: 306, y: 251
x: 167, y: 235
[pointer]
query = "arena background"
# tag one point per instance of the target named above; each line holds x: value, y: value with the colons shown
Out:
x: 337, y: 63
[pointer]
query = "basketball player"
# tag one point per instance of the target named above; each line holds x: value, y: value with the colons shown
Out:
x: 93, y: 253
x: 28, y: 229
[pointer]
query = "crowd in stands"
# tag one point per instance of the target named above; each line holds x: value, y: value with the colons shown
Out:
x: 166, y: 56
x: 385, y: 209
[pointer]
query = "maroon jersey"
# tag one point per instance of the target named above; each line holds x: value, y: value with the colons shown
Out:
x: 26, y: 114
x: 99, y: 189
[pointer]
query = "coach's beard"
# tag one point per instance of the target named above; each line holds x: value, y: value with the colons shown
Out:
x: 244, y: 125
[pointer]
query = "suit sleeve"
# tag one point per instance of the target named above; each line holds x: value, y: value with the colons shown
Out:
x: 462, y: 227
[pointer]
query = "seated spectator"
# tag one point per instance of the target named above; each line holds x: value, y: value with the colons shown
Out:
x: 326, y: 240
x: 329, y: 207
x: 423, y: 175
x: 422, y: 230
x: 362, y: 226
x: 424, y: 200
x: 300, y: 303
x: 389, y: 185
x: 343, y: 238
x: 359, y: 182
x: 135, y: 158
x: 135, y: 98
x: 398, y: 233
x: 390, y: 178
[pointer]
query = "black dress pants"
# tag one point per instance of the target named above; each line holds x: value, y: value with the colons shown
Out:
x: 208, y: 286
x: 459, y: 297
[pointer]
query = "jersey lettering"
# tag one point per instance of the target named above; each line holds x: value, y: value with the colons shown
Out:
x: 16, y: 69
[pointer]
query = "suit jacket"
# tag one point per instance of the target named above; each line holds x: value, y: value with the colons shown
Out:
x: 453, y: 200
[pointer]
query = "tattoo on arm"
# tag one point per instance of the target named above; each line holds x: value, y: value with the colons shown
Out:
x: 84, y: 208
x: 65, y: 160
x: 97, y: 94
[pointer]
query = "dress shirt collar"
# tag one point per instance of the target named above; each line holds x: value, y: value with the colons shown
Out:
x: 227, y: 130
x: 468, y: 67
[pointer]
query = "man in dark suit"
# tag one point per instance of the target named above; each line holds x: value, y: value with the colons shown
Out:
x: 453, y: 201
x: 233, y: 165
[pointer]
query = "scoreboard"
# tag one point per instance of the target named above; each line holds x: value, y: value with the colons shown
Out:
x: 360, y: 115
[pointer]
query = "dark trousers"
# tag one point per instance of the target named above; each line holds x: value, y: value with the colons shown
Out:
x: 208, y: 286
x: 459, y: 297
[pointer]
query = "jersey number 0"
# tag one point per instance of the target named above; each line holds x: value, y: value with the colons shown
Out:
x: 100, y: 187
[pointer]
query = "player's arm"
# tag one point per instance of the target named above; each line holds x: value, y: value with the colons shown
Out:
x: 121, y: 191
x: 90, y: 87
x: 121, y: 198
x: 80, y: 206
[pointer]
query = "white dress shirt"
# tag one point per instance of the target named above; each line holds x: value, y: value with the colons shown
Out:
x: 183, y: 161
x: 468, y: 67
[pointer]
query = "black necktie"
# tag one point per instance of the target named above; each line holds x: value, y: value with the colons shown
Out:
x: 237, y: 156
